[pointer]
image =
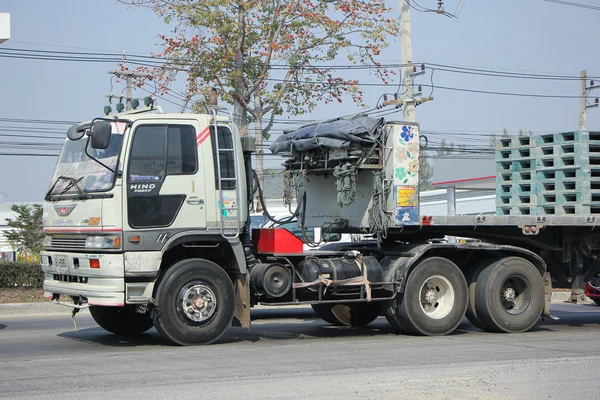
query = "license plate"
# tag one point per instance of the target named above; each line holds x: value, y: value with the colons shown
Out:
x: 61, y: 264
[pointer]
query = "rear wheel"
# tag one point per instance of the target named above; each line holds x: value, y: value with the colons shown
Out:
x: 509, y: 296
x: 121, y: 320
x: 471, y: 277
x: 434, y: 299
x: 196, y: 302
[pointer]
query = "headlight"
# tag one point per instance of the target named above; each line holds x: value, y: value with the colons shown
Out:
x: 103, y: 242
x: 47, y: 241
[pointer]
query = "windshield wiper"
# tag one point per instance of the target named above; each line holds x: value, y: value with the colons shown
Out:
x: 72, y: 182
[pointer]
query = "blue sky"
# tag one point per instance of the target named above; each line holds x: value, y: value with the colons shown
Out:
x: 530, y: 36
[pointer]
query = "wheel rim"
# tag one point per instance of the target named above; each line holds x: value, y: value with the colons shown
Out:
x: 437, y: 297
x: 197, y: 302
x: 515, y: 294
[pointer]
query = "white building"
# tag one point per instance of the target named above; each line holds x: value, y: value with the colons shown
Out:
x: 4, y: 27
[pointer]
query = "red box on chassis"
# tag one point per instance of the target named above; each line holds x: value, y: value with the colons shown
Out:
x: 276, y: 240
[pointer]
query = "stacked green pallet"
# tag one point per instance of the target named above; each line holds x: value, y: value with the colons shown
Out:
x: 515, y: 176
x: 553, y: 174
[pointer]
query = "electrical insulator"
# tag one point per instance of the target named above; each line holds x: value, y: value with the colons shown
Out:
x: 420, y: 88
x: 422, y: 67
x: 596, y: 101
x: 385, y: 97
x: 415, y: 68
x: 592, y: 83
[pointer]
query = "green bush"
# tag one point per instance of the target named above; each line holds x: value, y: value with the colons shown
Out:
x: 21, y: 275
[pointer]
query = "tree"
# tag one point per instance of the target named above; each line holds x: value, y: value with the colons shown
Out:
x: 494, y: 137
x: 27, y: 233
x: 445, y: 149
x: 425, y: 173
x: 267, y: 57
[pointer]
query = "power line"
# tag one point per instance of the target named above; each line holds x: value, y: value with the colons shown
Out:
x: 30, y: 136
x: 155, y: 61
x: 572, y: 4
x: 38, y: 121
x: 447, y: 68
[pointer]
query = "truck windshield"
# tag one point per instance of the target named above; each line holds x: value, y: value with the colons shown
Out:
x: 75, y: 164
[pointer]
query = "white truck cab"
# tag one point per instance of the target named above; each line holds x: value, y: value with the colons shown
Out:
x: 126, y: 189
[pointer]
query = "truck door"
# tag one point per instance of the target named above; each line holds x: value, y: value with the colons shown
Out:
x: 165, y: 179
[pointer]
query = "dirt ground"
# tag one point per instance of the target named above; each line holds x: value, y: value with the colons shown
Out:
x: 21, y: 295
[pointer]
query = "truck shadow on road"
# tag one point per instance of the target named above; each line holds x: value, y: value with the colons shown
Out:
x: 288, y: 324
x: 267, y: 325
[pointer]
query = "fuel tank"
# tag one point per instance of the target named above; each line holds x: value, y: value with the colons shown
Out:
x: 339, y: 268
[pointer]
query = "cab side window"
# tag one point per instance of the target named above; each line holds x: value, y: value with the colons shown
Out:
x: 225, y: 158
x: 157, y: 151
x: 160, y: 150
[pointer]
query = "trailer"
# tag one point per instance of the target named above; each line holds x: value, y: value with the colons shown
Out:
x: 147, y: 224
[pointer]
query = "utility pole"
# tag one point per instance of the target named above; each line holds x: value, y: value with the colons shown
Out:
x: 128, y: 76
x: 583, y: 105
x: 409, y: 105
x: 409, y: 98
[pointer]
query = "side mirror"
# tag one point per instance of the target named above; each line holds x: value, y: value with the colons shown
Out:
x: 100, y: 135
x: 76, y: 132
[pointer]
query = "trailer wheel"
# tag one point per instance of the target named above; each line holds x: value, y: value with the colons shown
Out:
x: 121, y: 320
x: 509, y: 295
x: 355, y: 315
x: 471, y: 277
x: 196, y: 303
x: 434, y: 301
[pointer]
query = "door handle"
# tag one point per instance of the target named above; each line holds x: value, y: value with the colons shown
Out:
x: 194, y: 200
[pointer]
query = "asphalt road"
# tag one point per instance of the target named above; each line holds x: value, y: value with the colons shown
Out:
x: 291, y: 355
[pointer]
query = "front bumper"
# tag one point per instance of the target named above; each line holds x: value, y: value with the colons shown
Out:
x: 70, y: 274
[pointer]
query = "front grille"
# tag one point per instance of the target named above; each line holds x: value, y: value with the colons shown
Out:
x: 70, y: 278
x: 68, y: 242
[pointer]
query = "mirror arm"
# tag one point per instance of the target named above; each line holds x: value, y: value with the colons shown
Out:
x: 95, y: 159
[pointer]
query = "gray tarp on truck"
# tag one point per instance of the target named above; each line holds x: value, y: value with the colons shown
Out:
x: 337, y: 133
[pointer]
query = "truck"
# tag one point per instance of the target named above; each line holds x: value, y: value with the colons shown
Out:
x: 146, y: 223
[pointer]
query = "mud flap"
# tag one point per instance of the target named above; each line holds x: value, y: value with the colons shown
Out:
x: 547, y: 296
x: 241, y: 316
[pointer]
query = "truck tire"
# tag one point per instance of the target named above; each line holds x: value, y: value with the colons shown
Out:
x: 509, y: 296
x: 196, y: 302
x: 471, y: 277
x: 355, y: 315
x: 434, y: 301
x: 323, y: 311
x: 121, y: 320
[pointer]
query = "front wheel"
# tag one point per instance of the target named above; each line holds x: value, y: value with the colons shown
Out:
x: 434, y: 301
x: 509, y: 295
x: 121, y: 320
x: 196, y: 302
